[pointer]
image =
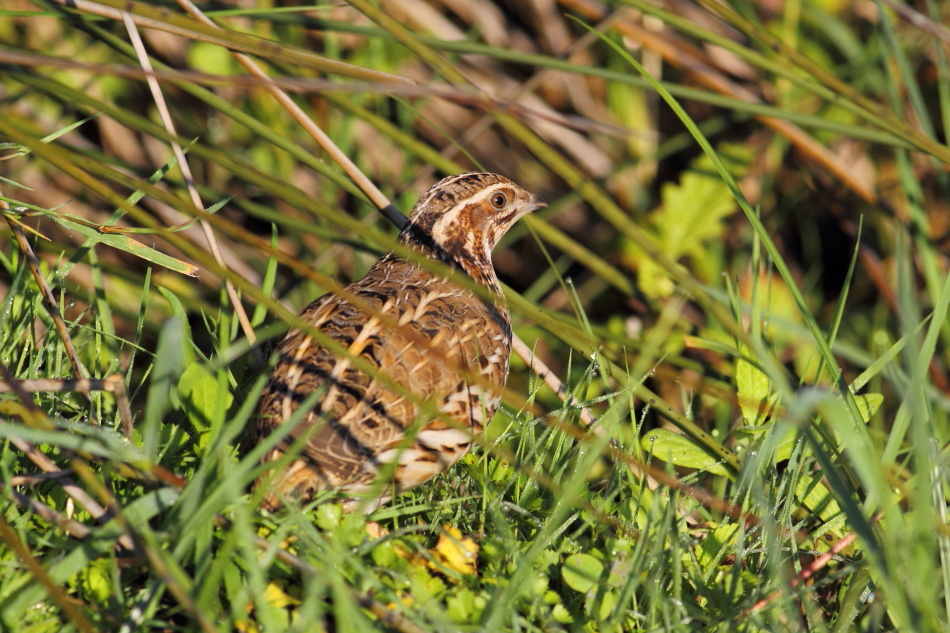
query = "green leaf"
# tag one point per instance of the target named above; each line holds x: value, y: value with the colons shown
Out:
x: 172, y: 352
x: 210, y: 58
x: 328, y: 516
x: 465, y: 605
x: 197, y: 390
x: 96, y: 581
x: 690, y: 215
x: 868, y: 404
x: 754, y: 388
x: 582, y: 572
x: 786, y: 445
x: 816, y: 496
x: 693, y: 210
x: 679, y: 450
x: 561, y: 614
x: 127, y: 244
x: 203, y: 397
x: 384, y: 554
x: 602, y: 607
x: 720, y: 541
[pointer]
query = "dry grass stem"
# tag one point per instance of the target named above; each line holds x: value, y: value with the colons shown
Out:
x: 166, y: 117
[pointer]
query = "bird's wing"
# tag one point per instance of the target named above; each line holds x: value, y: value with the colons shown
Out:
x: 410, y: 340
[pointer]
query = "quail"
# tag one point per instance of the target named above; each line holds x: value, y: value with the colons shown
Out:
x: 425, y: 359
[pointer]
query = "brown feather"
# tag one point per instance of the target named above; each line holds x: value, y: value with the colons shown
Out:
x: 426, y: 336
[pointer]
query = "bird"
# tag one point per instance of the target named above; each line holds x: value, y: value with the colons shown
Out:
x: 424, y: 362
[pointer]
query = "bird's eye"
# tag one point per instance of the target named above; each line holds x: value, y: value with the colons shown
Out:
x: 499, y: 200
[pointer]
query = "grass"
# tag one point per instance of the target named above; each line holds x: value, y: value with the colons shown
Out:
x: 741, y: 272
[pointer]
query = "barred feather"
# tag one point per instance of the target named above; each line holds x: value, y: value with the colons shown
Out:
x: 425, y: 336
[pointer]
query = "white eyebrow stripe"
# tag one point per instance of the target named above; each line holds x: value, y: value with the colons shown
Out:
x: 449, y: 217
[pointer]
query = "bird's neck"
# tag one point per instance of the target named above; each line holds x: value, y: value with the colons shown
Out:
x: 474, y: 262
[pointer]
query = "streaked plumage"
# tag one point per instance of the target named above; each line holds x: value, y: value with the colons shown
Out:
x: 426, y: 336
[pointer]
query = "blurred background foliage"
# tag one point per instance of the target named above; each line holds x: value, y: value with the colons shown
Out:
x: 754, y: 308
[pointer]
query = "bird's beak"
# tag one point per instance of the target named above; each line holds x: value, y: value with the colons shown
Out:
x: 536, y: 203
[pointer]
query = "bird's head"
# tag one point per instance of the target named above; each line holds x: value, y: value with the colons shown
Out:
x: 461, y: 218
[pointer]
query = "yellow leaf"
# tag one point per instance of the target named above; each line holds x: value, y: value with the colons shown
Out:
x: 246, y: 626
x: 454, y: 552
x: 276, y: 596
